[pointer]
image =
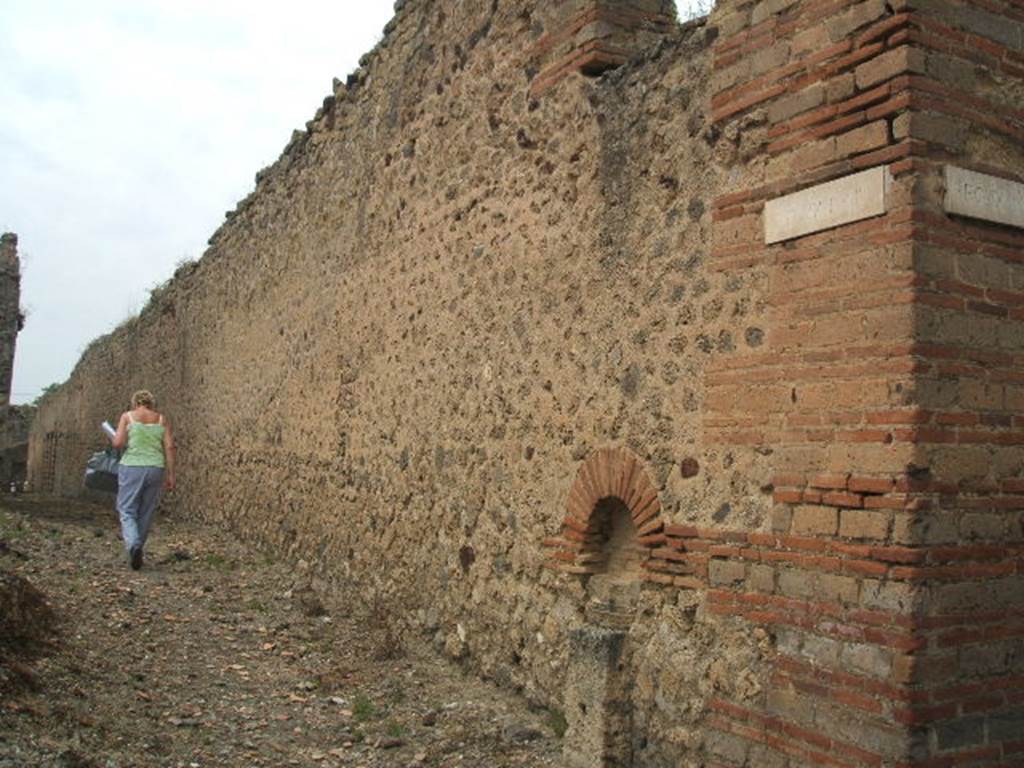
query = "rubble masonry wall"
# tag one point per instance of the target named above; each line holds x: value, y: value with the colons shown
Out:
x: 483, y: 293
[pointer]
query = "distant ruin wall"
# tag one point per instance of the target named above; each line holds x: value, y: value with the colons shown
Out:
x: 14, y: 419
x: 10, y: 311
x: 472, y: 336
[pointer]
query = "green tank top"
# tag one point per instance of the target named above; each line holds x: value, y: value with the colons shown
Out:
x: 145, y: 445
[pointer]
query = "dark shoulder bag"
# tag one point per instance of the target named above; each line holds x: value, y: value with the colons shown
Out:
x: 101, y: 471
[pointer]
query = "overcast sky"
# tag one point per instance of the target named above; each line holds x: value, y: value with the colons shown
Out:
x: 128, y: 128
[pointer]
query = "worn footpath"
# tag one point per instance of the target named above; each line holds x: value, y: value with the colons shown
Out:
x: 216, y: 655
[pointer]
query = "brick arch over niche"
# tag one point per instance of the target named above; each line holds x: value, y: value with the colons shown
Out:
x: 608, y: 473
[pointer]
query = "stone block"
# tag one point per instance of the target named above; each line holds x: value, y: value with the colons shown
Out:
x: 813, y: 38
x: 994, y: 26
x: 761, y: 578
x: 982, y: 271
x: 873, y: 660
x: 596, y: 704
x: 788, y: 106
x: 863, y: 139
x: 935, y: 669
x: 927, y: 126
x: 791, y: 705
x: 957, y: 734
x: 840, y: 88
x: 813, y: 154
x: 1006, y: 592
x: 983, y: 526
x: 842, y: 589
x: 765, y: 757
x: 851, y: 725
x: 863, y: 524
x: 763, y: 10
x: 988, y: 659
x: 732, y: 23
x: 959, y: 598
x: 788, y: 640
x: 982, y: 196
x: 727, y: 746
x: 1006, y: 726
x: 812, y: 520
x: 822, y: 650
x: 726, y: 572
x: 888, y: 65
x: 766, y: 60
x: 782, y: 517
x: 823, y: 206
x: 796, y: 583
x: 862, y: 14
x: 889, y: 596
x: 967, y: 462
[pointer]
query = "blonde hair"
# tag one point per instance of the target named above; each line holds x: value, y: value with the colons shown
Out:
x: 143, y: 397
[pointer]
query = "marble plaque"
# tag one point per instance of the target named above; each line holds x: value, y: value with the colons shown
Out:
x: 981, y: 196
x: 842, y: 201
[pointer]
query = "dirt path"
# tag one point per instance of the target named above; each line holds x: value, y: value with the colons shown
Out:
x: 214, y: 655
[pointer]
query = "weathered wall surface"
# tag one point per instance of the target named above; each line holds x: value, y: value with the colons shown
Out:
x: 14, y: 420
x: 10, y: 310
x: 506, y: 345
x: 441, y: 299
x: 15, y: 424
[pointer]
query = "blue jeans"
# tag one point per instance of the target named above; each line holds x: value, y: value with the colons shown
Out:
x: 138, y: 491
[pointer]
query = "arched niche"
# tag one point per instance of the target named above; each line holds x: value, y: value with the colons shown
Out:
x: 622, y: 556
x: 612, y: 519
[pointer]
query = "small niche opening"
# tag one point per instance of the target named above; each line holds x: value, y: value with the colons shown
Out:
x: 620, y: 552
x: 596, y: 67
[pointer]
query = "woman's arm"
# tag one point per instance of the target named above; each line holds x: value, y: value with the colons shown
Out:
x: 169, y: 456
x: 120, y: 438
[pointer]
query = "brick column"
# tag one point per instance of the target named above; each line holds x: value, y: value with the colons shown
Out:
x: 10, y: 310
x: 966, y: 111
x: 889, y: 389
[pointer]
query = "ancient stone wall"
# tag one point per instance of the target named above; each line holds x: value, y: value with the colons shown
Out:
x: 14, y: 420
x: 10, y: 310
x: 15, y: 423
x: 598, y: 374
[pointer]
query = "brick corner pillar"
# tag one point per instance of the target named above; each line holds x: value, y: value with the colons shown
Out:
x: 875, y: 188
x: 592, y: 36
x: 10, y: 311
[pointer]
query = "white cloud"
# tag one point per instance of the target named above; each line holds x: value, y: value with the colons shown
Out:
x: 130, y: 127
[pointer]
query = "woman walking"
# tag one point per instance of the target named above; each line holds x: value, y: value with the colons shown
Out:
x: 146, y: 469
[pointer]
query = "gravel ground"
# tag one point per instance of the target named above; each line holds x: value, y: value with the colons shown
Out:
x: 216, y: 655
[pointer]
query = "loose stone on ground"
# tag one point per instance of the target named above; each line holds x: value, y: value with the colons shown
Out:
x: 214, y: 655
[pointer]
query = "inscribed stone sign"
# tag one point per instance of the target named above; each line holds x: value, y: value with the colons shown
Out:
x: 981, y: 196
x: 851, y: 198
